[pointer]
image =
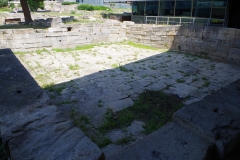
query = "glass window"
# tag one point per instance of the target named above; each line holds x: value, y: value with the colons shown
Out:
x: 218, y: 13
x: 202, y: 8
x: 152, y: 8
x: 219, y: 3
x: 167, y: 7
x: 183, y: 8
x: 138, y: 8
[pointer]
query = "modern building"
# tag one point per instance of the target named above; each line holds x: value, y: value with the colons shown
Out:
x: 101, y: 3
x: 224, y: 13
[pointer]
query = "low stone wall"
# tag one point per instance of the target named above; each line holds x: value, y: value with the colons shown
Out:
x: 213, y: 42
x: 58, y: 7
x: 62, y: 37
x: 222, y: 44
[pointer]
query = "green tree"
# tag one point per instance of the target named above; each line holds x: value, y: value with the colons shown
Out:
x: 35, y: 4
x: 26, y: 11
x: 3, y: 3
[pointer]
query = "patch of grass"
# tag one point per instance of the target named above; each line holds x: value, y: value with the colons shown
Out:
x: 123, y: 69
x: 115, y: 65
x: 206, y: 84
x: 73, y: 67
x: 84, y: 124
x: 138, y: 45
x: 5, y: 9
x: 21, y: 27
x: 124, y: 140
x: 77, y: 48
x: 194, y: 79
x: 57, y: 89
x: 109, y: 57
x: 39, y: 51
x: 180, y: 80
x: 100, y: 103
x: 20, y: 53
x: 186, y: 75
x: 66, y: 102
x: 92, y: 8
x: 69, y: 3
x: 155, y: 108
x: 204, y: 78
x: 104, y: 142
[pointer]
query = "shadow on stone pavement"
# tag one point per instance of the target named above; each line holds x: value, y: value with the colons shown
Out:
x: 29, y: 128
x: 189, y: 77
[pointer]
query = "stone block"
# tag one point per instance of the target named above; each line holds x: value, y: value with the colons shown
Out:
x: 156, y: 38
x: 215, y: 118
x: 234, y: 54
x: 181, y: 144
x: 160, y: 33
x: 57, y: 29
x: 24, y: 31
x: 171, y: 33
x: 139, y: 33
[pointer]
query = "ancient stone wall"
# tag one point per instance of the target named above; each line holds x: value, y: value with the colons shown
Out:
x: 212, y: 42
x: 58, y: 7
x: 62, y: 37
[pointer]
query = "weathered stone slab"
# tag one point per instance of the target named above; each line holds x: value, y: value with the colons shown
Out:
x: 43, y: 133
x: 169, y: 142
x: 216, y: 118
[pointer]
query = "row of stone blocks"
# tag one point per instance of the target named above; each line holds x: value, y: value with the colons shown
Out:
x: 205, y: 130
x: 61, y: 37
x: 217, y: 43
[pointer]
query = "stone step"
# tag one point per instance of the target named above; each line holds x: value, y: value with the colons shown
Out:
x: 215, y: 118
x: 43, y: 133
x: 171, y: 142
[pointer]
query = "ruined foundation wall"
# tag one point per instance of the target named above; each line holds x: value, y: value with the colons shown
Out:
x: 217, y: 43
x: 61, y: 37
x: 222, y: 44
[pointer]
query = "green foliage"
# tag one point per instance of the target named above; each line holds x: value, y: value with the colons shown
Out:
x: 12, y: 5
x: 35, y: 4
x: 85, y: 47
x: 5, y: 9
x: 137, y: 45
x: 3, y: 3
x: 155, y: 108
x: 69, y: 3
x: 91, y: 7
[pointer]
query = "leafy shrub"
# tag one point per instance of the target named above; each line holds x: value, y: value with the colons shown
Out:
x: 69, y: 3
x: 3, y: 3
x: 35, y: 4
x: 85, y: 7
x: 91, y: 7
x: 12, y: 5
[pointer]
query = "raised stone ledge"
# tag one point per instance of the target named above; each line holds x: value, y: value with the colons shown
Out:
x: 216, y: 118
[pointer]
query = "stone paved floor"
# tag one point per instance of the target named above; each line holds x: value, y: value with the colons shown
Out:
x: 112, y: 76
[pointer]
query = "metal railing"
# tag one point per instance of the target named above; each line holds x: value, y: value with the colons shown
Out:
x: 187, y: 21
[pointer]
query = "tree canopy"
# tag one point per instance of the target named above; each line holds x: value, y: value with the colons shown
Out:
x: 32, y: 5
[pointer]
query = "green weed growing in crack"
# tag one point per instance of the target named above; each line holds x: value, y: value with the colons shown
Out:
x: 206, y: 84
x: 180, y: 80
x: 66, y: 102
x: 124, y: 140
x: 81, y: 121
x: 73, y: 67
x: 123, y: 69
x: 100, y: 103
